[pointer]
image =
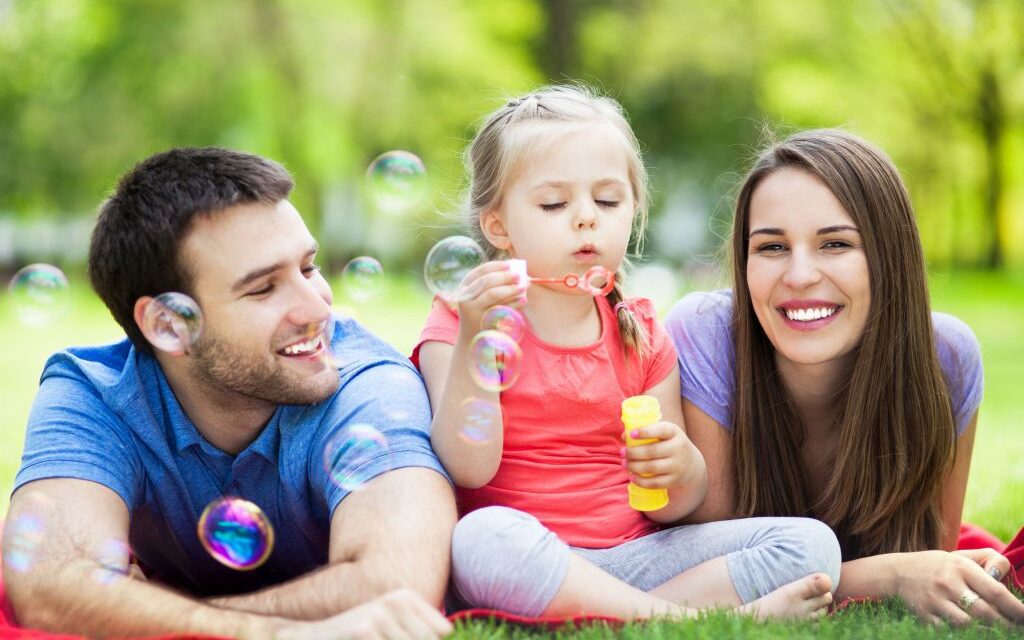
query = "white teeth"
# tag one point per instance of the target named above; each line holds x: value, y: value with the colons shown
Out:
x: 301, y: 348
x: 806, y: 315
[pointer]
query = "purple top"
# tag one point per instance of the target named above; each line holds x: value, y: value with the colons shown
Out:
x: 700, y: 327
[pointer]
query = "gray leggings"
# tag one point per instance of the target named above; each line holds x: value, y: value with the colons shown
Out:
x: 506, y: 559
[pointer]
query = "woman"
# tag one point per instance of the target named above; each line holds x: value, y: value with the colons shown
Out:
x: 828, y: 388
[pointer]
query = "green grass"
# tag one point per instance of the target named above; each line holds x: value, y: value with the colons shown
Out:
x: 992, y: 304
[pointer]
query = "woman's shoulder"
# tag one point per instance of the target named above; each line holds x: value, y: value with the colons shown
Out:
x: 954, y: 339
x: 699, y: 314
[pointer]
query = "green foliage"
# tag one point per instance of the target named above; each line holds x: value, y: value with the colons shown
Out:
x: 89, y: 87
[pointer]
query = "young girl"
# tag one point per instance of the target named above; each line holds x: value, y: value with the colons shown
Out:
x: 557, y: 180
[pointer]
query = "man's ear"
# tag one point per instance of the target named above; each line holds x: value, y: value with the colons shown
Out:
x: 493, y: 227
x: 162, y: 329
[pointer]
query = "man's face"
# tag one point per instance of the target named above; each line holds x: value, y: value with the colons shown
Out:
x: 264, y: 305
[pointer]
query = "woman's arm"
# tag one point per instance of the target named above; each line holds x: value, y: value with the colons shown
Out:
x: 955, y: 487
x: 715, y: 443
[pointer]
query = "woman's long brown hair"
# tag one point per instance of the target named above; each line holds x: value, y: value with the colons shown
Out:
x: 896, y: 438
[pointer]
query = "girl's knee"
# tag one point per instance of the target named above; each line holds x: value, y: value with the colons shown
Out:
x: 815, y: 547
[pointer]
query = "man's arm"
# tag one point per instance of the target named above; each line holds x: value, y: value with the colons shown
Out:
x: 393, y: 533
x: 59, y: 591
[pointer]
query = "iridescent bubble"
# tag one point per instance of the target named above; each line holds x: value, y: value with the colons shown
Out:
x: 355, y: 455
x: 448, y: 263
x: 22, y: 538
x: 362, y: 278
x: 397, y: 181
x: 236, y: 533
x: 479, y: 420
x: 172, y: 322
x: 506, y: 320
x: 113, y: 559
x: 597, y: 281
x: 40, y: 294
x: 494, y: 360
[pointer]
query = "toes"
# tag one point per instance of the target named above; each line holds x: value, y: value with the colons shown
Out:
x: 820, y: 583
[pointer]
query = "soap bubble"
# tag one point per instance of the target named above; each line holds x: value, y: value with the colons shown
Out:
x: 236, y: 533
x: 353, y: 456
x: 597, y: 281
x: 506, y: 320
x: 397, y: 181
x: 495, y: 360
x: 172, y: 322
x: 23, y: 537
x: 40, y: 294
x: 448, y: 263
x: 362, y: 278
x: 479, y: 420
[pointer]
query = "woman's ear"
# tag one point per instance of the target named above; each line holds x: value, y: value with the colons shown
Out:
x: 493, y: 227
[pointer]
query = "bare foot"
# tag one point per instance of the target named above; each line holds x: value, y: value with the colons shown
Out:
x: 807, y: 597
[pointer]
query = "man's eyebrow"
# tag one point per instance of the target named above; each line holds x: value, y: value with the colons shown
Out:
x: 256, y: 274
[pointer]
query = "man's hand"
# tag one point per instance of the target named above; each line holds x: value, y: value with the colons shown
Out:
x: 397, y: 615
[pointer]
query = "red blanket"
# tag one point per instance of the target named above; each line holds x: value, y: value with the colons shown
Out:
x: 971, y: 537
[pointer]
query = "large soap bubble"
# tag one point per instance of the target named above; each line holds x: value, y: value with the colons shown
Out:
x: 397, y: 182
x: 448, y: 262
x: 236, y: 533
x: 172, y: 322
x: 40, y: 294
x: 495, y: 360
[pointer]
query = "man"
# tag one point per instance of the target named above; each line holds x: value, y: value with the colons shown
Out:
x: 127, y: 445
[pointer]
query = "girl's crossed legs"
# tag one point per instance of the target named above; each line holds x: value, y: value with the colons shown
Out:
x: 774, y: 567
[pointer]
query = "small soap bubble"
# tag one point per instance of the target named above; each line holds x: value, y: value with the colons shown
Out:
x: 113, y: 559
x: 23, y: 537
x: 236, y: 533
x: 362, y: 278
x: 448, y: 263
x: 506, y: 320
x: 397, y: 182
x: 353, y: 456
x: 40, y: 294
x: 495, y: 360
x: 172, y: 322
x: 597, y: 281
x: 479, y: 420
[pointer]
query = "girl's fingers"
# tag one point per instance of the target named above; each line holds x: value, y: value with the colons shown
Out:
x: 658, y: 430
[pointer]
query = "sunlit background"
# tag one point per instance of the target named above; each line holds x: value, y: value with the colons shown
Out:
x: 89, y: 87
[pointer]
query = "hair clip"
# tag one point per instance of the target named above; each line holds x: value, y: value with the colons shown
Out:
x: 621, y: 305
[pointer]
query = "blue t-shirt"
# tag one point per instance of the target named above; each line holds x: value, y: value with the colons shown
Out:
x: 701, y: 328
x: 107, y: 414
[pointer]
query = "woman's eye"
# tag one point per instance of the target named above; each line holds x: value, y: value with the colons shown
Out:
x: 552, y: 206
x: 770, y: 248
x: 837, y: 244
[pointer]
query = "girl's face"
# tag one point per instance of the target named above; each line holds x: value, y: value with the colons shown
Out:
x: 569, y: 206
x: 806, y: 269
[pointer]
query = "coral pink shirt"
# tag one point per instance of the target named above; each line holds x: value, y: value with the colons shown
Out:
x: 560, y: 461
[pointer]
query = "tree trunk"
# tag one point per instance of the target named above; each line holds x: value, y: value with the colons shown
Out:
x: 992, y: 121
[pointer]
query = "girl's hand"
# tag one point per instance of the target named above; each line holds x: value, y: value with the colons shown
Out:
x: 940, y: 586
x: 665, y: 464
x: 486, y: 286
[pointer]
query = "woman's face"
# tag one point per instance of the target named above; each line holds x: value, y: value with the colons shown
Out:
x: 806, y: 269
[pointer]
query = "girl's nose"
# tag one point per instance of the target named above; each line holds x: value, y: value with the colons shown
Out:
x: 586, y: 215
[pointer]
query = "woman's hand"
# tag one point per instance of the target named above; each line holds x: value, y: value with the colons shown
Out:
x: 956, y: 587
x: 488, y: 285
x: 673, y: 461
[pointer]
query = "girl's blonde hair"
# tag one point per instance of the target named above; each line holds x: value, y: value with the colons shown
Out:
x: 512, y: 132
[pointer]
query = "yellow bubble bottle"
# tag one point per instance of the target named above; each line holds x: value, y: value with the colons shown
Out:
x: 639, y: 412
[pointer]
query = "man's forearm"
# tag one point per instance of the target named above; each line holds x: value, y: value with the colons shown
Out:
x: 69, y: 600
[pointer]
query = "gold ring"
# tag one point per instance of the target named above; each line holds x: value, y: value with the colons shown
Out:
x: 967, y: 600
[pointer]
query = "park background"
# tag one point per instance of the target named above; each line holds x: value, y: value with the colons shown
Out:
x: 89, y: 87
